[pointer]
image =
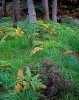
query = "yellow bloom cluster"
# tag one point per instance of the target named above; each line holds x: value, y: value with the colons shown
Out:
x: 18, y: 32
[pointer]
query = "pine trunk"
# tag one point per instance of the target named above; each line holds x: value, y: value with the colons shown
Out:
x: 31, y: 11
x: 46, y: 9
x: 54, y: 11
x: 3, y: 7
x: 16, y: 11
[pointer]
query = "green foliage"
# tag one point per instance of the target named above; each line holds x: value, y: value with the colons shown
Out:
x: 70, y: 61
x: 23, y: 95
x: 5, y: 19
x: 7, y: 80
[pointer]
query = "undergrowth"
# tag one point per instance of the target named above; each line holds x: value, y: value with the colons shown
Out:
x: 30, y: 44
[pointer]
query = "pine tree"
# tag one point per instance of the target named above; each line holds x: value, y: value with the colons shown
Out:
x: 31, y: 11
x: 54, y: 11
x: 3, y: 7
x: 46, y: 9
x: 16, y: 11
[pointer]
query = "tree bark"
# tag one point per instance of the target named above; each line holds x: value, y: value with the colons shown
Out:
x: 46, y: 9
x: 54, y: 11
x: 31, y: 11
x: 3, y: 7
x: 16, y: 11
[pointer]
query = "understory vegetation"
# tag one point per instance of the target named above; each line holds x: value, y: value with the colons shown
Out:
x: 39, y: 61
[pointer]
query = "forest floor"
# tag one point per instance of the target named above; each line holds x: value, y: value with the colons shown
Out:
x: 45, y: 48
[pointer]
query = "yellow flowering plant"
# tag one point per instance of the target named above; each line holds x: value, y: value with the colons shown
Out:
x: 28, y: 81
x: 18, y: 32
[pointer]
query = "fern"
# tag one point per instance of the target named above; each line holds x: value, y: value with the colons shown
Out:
x: 28, y: 81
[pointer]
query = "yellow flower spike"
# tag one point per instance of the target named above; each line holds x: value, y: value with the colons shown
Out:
x: 20, y: 77
x: 20, y: 72
x: 18, y: 88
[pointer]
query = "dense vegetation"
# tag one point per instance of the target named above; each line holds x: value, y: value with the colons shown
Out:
x: 39, y: 60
